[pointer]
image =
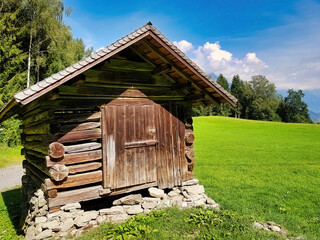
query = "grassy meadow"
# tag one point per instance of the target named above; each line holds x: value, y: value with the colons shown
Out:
x: 268, y: 170
x: 10, y: 156
x: 256, y: 170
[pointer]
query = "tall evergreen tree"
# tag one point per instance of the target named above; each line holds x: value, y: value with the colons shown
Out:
x: 223, y: 82
x: 12, y: 57
x: 223, y: 109
x: 236, y: 89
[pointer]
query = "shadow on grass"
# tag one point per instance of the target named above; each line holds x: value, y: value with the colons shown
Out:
x: 12, y: 200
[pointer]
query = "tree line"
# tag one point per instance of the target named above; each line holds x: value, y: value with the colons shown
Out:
x: 259, y: 100
x: 34, y: 44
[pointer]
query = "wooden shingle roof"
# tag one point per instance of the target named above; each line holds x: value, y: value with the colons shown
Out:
x: 148, y: 31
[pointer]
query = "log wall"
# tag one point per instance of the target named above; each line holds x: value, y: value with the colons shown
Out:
x: 61, y: 131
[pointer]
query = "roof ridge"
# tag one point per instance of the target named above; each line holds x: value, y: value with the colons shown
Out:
x: 48, y: 83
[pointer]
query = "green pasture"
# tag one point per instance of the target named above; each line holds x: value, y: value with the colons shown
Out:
x: 10, y: 156
x: 268, y: 170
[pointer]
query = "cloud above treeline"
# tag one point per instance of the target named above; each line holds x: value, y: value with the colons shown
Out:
x: 215, y: 60
x: 288, y: 55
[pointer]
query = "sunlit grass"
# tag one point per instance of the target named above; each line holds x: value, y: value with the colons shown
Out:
x: 10, y: 156
x: 268, y: 170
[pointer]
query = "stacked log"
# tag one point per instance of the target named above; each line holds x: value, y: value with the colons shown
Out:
x: 189, y: 139
x: 62, y: 149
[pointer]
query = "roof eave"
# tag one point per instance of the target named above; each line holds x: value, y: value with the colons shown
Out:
x: 9, y: 110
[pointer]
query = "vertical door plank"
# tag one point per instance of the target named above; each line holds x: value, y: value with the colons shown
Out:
x: 104, y: 145
x: 119, y: 139
x: 150, y: 131
x: 137, y: 125
x: 110, y: 145
x: 161, y: 155
x: 169, y: 147
x: 175, y: 146
x: 130, y: 153
x: 152, y: 161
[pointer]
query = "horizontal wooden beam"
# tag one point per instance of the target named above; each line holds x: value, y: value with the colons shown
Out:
x: 75, y: 127
x: 82, y: 147
x: 78, y: 195
x: 90, y: 193
x: 85, y: 167
x: 75, y: 180
x: 79, y: 136
x: 73, y: 158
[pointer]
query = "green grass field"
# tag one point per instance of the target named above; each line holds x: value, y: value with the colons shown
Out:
x: 256, y: 170
x: 268, y: 170
x: 10, y: 156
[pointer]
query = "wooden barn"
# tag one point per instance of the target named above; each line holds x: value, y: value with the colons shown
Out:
x: 115, y: 122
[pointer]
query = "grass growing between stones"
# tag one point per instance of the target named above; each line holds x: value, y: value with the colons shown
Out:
x: 268, y: 170
x: 10, y: 156
x: 195, y: 223
x: 10, y: 214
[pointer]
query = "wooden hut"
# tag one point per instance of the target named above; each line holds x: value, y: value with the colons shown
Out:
x: 115, y: 122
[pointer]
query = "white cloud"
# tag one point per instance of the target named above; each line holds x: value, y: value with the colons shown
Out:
x: 213, y: 59
x: 183, y: 45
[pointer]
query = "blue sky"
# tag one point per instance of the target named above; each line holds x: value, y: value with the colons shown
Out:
x: 276, y: 38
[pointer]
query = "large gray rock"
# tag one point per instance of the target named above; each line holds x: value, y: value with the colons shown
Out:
x: 31, y: 232
x: 42, y: 202
x: 91, y: 215
x: 67, y: 225
x: 55, y: 215
x: 112, y: 211
x: 150, y: 203
x: 53, y: 225
x: 39, y: 193
x: 134, y: 209
x: 45, y: 234
x: 258, y: 225
x: 194, y: 189
x: 215, y: 206
x: 156, y: 192
x: 190, y: 182
x: 40, y: 220
x: 275, y: 228
x: 128, y: 200
x: 81, y: 221
x: 172, y: 194
x: 210, y: 201
x: 71, y: 206
x: 38, y: 228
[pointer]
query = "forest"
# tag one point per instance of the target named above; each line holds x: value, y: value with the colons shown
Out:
x: 258, y: 100
x: 35, y: 43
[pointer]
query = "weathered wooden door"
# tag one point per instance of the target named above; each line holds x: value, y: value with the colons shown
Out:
x: 130, y: 143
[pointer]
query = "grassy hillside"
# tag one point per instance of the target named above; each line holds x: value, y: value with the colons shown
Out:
x: 268, y: 170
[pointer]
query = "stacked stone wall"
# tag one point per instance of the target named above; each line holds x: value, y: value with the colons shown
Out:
x: 72, y: 220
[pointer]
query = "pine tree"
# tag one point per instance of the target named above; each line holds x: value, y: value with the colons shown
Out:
x: 12, y: 57
x: 223, y: 82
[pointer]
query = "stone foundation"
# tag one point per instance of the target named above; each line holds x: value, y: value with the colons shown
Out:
x: 72, y: 220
